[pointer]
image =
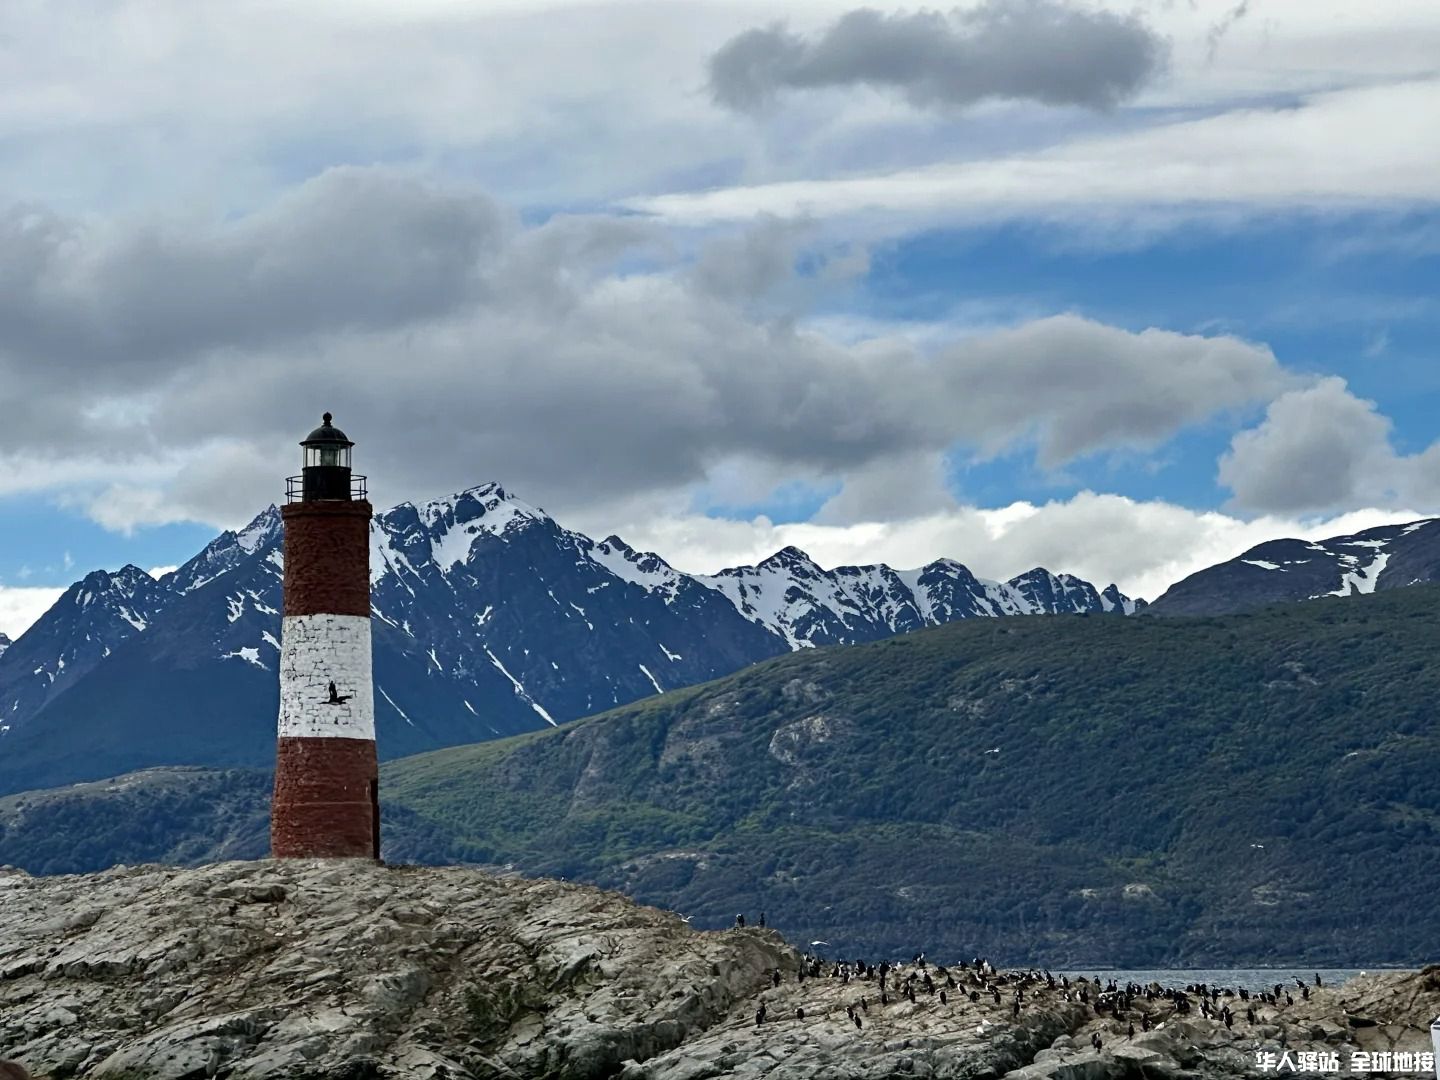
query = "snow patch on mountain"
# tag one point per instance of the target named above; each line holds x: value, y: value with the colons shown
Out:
x: 258, y: 532
x: 647, y: 570
x: 456, y: 522
x: 519, y: 688
x: 249, y: 653
x: 1292, y: 570
x: 1358, y: 579
x: 776, y: 593
x: 653, y: 681
x: 400, y: 711
x: 385, y: 559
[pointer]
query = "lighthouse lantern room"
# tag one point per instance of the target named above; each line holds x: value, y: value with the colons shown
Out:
x: 326, y: 802
x: 326, y: 473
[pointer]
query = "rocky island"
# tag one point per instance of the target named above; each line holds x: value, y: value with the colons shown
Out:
x: 346, y: 970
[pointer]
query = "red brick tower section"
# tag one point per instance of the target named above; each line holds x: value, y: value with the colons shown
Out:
x: 326, y: 801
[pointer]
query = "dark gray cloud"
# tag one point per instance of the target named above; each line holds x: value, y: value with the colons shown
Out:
x: 353, y: 248
x: 750, y: 263
x: 581, y: 361
x: 118, y: 309
x: 1073, y: 386
x: 772, y: 266
x: 1036, y: 50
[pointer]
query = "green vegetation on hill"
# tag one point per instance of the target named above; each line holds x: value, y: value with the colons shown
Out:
x: 181, y: 815
x: 1237, y: 790
x: 1240, y: 789
x: 170, y: 815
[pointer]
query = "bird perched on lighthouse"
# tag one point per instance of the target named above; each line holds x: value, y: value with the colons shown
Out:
x: 326, y: 801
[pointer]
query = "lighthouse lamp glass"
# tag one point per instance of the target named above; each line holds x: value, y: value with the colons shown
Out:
x: 327, y: 456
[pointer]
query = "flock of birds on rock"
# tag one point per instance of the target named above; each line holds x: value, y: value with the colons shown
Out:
x: 868, y: 991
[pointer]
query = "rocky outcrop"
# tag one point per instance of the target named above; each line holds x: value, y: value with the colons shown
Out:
x: 344, y: 970
x: 1373, y: 1025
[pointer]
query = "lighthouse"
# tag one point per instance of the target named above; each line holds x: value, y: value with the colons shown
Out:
x: 326, y: 802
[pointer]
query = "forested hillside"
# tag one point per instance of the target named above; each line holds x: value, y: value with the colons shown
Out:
x: 1072, y: 790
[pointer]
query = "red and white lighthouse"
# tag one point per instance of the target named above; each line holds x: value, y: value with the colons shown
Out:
x: 326, y: 773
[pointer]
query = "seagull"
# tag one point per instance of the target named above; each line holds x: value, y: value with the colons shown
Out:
x: 995, y: 751
x: 819, y: 943
x: 685, y: 918
x: 1260, y: 846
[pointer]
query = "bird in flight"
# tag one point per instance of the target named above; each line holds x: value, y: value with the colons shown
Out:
x: 819, y: 943
x: 995, y: 751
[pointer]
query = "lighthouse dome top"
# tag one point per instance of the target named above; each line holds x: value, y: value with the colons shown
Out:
x: 327, y: 434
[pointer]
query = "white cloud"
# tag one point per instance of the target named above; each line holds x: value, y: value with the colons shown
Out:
x: 123, y: 508
x: 1335, y: 149
x: 168, y: 90
x: 20, y: 606
x: 148, y: 103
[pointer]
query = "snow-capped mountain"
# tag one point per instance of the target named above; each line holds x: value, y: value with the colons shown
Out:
x: 792, y: 597
x: 80, y: 630
x: 489, y: 619
x: 1284, y: 571
x: 4, y: 644
x: 226, y: 552
x: 531, y: 624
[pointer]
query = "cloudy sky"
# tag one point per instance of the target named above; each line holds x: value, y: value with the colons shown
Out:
x: 1116, y: 288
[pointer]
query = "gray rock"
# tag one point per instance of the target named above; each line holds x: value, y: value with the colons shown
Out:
x: 350, y: 971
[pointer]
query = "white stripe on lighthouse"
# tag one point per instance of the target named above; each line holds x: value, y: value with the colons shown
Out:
x: 316, y: 650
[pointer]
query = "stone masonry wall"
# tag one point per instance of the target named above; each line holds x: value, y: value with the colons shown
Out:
x: 316, y: 650
x: 327, y: 558
x: 326, y: 775
x: 323, y: 803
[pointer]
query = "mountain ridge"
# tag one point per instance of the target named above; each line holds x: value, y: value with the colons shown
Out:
x: 1293, y: 570
x: 490, y: 618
